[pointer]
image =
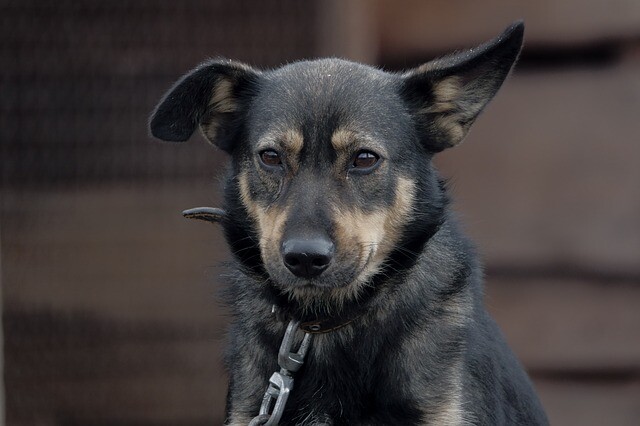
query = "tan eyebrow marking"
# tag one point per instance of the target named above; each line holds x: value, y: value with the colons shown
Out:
x: 345, y: 140
x: 293, y: 141
x: 342, y: 139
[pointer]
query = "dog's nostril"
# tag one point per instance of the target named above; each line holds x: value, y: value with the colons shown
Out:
x: 292, y: 260
x: 320, y: 261
x: 307, y: 258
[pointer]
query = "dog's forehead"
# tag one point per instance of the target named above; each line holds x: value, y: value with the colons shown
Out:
x: 327, y: 74
x: 317, y: 98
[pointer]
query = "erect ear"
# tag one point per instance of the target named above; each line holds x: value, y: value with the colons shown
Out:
x: 446, y: 95
x: 213, y: 95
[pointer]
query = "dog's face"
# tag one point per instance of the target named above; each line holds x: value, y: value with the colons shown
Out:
x: 323, y: 172
x: 332, y: 172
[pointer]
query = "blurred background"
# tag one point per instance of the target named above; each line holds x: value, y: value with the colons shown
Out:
x: 109, y: 307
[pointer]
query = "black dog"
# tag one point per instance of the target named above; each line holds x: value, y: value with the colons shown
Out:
x: 337, y: 218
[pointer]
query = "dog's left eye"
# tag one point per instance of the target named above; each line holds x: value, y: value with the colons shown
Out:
x: 270, y: 158
x: 364, y: 160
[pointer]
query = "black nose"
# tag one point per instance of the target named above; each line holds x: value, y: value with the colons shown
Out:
x: 307, y: 258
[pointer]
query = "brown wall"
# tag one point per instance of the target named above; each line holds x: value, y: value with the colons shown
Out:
x: 548, y: 184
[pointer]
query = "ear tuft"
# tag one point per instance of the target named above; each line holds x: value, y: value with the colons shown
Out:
x: 209, y: 96
x: 446, y: 95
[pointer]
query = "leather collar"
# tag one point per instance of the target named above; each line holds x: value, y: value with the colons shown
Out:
x: 327, y: 325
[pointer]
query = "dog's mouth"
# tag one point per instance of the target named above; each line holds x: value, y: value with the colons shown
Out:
x: 337, y: 276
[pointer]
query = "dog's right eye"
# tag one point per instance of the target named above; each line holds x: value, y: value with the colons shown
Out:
x: 270, y: 158
x: 364, y: 162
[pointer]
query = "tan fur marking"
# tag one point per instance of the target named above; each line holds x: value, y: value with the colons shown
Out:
x: 293, y: 141
x: 365, y: 231
x: 271, y: 227
x: 452, y: 127
x: 448, y: 89
x: 401, y: 210
x: 221, y: 102
x: 222, y: 99
x: 270, y: 220
x: 375, y: 234
x: 446, y: 93
x: 245, y: 196
x: 342, y: 139
x: 458, y: 310
x: 451, y: 412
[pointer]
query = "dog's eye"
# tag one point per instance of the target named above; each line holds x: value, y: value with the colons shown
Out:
x: 365, y: 160
x: 270, y: 158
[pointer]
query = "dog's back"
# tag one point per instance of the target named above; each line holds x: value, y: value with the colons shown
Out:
x: 337, y: 218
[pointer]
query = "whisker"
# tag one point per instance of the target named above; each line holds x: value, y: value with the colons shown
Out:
x: 244, y: 249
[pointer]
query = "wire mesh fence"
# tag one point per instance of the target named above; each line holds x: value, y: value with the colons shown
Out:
x: 79, y: 78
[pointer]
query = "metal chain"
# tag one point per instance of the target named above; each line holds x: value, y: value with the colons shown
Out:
x: 281, y: 382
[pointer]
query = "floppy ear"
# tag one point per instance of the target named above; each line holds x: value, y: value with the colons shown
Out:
x: 446, y: 95
x: 213, y: 95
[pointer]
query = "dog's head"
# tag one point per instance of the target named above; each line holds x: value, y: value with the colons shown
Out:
x: 331, y: 181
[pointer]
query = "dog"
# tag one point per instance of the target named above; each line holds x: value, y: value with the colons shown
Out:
x: 344, y: 244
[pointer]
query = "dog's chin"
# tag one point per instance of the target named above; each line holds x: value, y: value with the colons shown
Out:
x: 329, y: 291
x: 324, y: 282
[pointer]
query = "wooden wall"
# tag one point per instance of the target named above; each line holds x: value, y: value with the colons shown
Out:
x: 548, y: 184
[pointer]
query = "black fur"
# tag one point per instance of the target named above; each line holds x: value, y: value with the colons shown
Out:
x: 417, y: 346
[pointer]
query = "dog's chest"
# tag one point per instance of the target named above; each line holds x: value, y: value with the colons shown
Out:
x: 350, y: 385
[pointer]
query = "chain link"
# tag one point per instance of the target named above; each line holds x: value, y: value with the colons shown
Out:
x: 281, y: 382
